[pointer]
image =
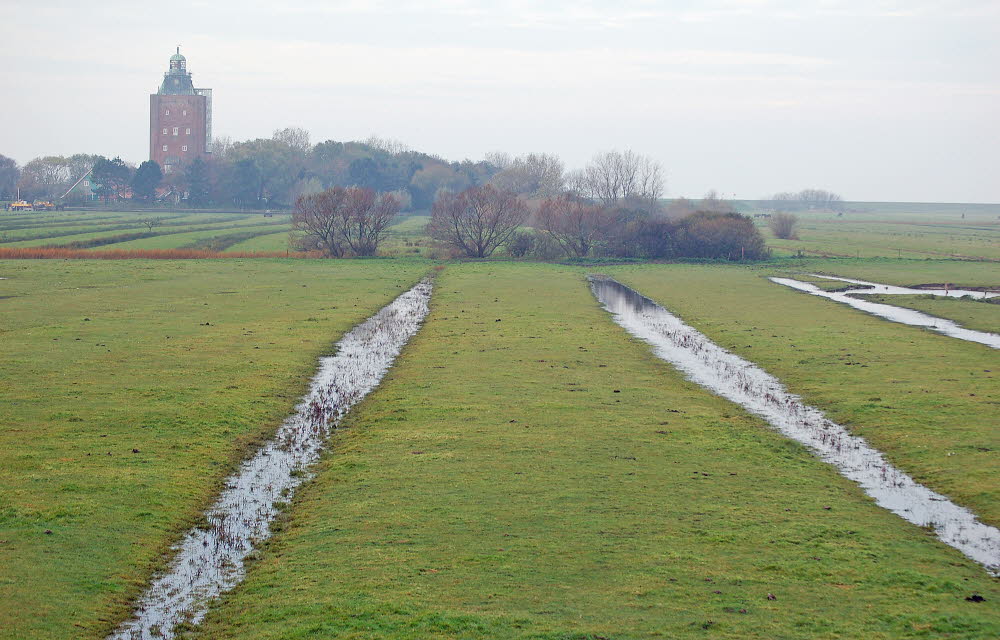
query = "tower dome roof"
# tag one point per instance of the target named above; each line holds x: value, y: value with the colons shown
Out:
x: 177, y: 80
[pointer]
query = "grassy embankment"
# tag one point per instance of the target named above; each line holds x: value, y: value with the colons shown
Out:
x: 121, y: 409
x: 927, y: 400
x: 527, y: 470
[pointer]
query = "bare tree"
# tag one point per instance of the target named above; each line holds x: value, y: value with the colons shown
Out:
x: 388, y: 145
x: 712, y: 203
x: 477, y: 220
x: 342, y: 221
x: 295, y: 137
x: 783, y: 225
x: 152, y: 222
x: 534, y: 175
x: 575, y: 224
x: 316, y: 220
x: 806, y: 199
x: 616, y: 178
x: 367, y: 215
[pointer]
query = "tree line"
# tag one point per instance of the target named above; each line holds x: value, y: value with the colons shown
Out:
x: 531, y: 207
x: 254, y: 174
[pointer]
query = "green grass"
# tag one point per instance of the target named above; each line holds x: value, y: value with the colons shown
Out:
x: 268, y: 242
x: 896, y: 235
x: 100, y: 358
x: 927, y: 400
x: 496, y: 485
x: 174, y: 240
x: 968, y: 312
x: 905, y: 273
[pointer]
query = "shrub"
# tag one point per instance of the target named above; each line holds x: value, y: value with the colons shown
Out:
x: 728, y: 236
x: 783, y: 225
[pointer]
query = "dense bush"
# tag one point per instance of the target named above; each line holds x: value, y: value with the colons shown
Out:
x: 728, y: 236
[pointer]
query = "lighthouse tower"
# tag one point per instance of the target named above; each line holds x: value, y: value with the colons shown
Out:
x: 180, y: 118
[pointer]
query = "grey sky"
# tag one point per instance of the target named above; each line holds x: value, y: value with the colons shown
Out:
x: 879, y: 100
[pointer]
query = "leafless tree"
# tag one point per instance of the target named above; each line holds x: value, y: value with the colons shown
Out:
x: 389, y: 145
x: 317, y: 221
x: 783, y: 225
x: 616, y: 178
x: 342, y: 221
x: 152, y: 222
x: 295, y: 137
x: 575, y: 224
x: 712, y: 203
x: 366, y: 218
x: 477, y: 220
x: 806, y: 199
x: 533, y: 175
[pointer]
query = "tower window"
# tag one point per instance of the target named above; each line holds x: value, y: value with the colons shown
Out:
x: 164, y: 131
x: 167, y: 112
x: 164, y: 147
x: 184, y: 113
x: 175, y: 130
x: 184, y: 147
x: 188, y: 131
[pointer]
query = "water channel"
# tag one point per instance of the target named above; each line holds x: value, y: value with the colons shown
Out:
x: 210, y: 559
x: 740, y: 381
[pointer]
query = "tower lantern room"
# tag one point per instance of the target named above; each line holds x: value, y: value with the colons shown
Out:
x: 180, y: 118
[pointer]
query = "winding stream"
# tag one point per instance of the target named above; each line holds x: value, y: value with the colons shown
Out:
x: 898, y: 314
x: 210, y: 559
x: 740, y: 381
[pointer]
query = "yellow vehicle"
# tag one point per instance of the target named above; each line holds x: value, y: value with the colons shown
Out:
x: 43, y: 206
x: 20, y: 205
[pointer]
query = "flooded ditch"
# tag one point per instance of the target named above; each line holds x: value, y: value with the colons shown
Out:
x: 210, y: 559
x: 899, y: 314
x: 740, y: 381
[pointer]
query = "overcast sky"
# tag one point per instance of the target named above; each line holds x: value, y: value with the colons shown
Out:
x: 875, y: 100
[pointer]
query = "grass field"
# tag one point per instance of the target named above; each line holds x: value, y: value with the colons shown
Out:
x: 896, y: 230
x: 526, y: 470
x: 236, y: 232
x: 529, y: 471
x: 927, y: 400
x: 130, y: 388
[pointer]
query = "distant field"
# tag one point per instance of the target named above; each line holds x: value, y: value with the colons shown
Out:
x: 130, y: 389
x: 238, y: 232
x: 113, y: 230
x: 895, y: 229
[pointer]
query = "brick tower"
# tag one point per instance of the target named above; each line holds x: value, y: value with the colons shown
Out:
x: 180, y: 118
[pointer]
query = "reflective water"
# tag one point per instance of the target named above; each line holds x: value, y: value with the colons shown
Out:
x: 896, y: 314
x: 746, y: 384
x: 888, y: 289
x: 210, y: 559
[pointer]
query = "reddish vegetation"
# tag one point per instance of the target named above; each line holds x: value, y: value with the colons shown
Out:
x: 149, y: 254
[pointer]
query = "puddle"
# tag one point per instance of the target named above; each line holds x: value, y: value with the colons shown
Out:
x: 894, y: 313
x: 870, y: 288
x: 209, y: 560
x: 746, y: 384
